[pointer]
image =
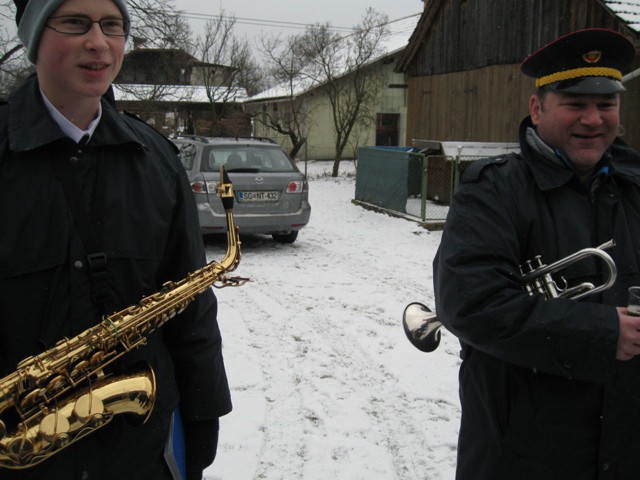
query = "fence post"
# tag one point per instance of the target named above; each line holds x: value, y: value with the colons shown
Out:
x: 456, y: 179
x: 425, y: 174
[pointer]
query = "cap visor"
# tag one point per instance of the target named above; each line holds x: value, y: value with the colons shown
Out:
x: 588, y: 86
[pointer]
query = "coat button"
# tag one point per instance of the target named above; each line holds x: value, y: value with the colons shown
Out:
x: 78, y: 265
x: 605, y: 466
x: 73, y: 160
x: 567, y: 365
x: 84, y: 475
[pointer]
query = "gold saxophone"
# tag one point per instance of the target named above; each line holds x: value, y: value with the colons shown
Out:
x: 61, y: 395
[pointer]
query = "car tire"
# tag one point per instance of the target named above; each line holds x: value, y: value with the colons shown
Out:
x: 286, y: 237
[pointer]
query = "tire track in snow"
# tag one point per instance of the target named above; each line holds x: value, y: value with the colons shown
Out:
x: 302, y: 404
x: 321, y: 323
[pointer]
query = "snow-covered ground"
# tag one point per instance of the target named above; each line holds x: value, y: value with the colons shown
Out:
x: 324, y: 383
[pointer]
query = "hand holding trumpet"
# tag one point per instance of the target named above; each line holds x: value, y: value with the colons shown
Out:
x: 629, y: 337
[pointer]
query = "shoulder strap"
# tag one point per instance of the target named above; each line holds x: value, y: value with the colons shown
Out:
x: 474, y: 171
x: 96, y: 257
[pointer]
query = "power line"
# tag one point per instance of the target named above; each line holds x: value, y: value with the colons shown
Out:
x: 293, y: 25
x: 257, y: 22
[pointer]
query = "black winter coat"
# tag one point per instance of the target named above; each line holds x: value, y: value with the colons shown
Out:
x: 542, y: 394
x: 137, y: 193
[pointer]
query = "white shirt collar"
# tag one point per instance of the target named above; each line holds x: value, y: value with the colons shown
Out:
x: 69, y: 129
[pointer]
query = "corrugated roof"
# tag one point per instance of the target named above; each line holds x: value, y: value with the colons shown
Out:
x: 627, y: 10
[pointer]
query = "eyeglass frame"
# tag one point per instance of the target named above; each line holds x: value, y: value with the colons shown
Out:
x: 125, y: 25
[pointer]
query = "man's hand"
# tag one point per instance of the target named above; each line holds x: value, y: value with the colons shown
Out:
x: 629, y: 339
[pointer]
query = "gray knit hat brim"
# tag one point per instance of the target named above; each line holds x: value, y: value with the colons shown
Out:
x: 34, y: 17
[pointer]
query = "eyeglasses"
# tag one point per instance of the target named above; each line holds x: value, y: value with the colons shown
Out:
x: 81, y: 24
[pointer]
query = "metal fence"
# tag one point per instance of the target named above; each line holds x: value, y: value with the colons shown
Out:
x: 434, y: 184
x: 418, y: 184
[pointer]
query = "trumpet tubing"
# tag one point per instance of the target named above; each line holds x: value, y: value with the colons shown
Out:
x: 422, y: 326
x: 538, y: 279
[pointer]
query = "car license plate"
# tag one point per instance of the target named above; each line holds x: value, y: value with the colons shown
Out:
x: 271, y: 196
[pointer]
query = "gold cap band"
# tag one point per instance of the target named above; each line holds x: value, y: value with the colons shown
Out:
x: 578, y: 73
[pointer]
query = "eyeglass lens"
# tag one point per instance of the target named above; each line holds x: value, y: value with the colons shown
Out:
x: 80, y: 24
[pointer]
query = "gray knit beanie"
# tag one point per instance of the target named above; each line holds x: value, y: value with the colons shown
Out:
x: 31, y: 16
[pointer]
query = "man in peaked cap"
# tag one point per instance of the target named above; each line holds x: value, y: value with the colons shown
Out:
x: 550, y: 383
x: 587, y: 61
x: 96, y: 213
x: 586, y: 65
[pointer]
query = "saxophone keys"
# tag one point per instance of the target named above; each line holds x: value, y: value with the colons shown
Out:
x: 55, y: 383
x: 97, y: 359
x: 32, y: 398
x: 89, y: 408
x: 21, y: 446
x: 80, y: 368
x: 54, y: 428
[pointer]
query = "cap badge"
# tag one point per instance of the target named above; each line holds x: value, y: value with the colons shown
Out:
x: 593, y: 56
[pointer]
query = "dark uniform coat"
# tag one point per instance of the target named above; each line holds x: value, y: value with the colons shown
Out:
x: 542, y: 394
x: 137, y: 195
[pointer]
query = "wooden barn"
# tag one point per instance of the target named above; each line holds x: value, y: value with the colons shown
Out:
x: 462, y: 64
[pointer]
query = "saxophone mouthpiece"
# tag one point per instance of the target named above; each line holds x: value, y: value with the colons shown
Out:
x: 225, y: 175
x: 225, y: 189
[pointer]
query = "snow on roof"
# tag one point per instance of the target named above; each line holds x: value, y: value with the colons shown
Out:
x: 465, y: 149
x: 175, y: 93
x: 400, y: 31
x: 627, y: 10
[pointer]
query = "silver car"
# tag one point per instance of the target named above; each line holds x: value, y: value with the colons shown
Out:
x: 272, y: 195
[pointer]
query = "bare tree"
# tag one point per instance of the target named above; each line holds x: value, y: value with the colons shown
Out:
x: 286, y: 65
x: 340, y: 67
x: 158, y: 24
x: 14, y: 66
x: 228, y: 67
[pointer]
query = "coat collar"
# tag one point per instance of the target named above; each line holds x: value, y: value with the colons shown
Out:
x: 621, y: 160
x: 31, y: 126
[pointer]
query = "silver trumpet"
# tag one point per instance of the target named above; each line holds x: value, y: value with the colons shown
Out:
x: 423, y: 329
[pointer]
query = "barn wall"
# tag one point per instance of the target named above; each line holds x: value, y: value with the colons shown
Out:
x: 471, y: 34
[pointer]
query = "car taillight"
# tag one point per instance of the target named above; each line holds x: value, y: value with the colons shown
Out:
x: 295, y: 187
x: 198, y: 187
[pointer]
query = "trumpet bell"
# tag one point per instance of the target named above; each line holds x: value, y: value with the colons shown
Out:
x: 421, y: 327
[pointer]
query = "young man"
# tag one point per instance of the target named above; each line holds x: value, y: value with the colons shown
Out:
x: 67, y: 154
x: 549, y: 388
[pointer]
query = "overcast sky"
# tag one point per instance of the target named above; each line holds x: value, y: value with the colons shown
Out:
x: 253, y: 17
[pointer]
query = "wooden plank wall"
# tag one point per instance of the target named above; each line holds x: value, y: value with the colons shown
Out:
x: 480, y: 105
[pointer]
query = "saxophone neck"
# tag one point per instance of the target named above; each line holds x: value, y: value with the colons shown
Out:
x: 232, y: 257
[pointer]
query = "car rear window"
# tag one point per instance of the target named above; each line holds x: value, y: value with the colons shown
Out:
x: 245, y: 158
